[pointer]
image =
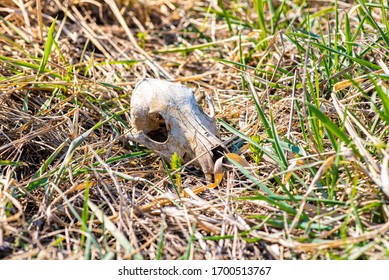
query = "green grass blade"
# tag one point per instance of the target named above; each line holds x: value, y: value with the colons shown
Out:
x: 160, y: 241
x: 385, y: 102
x: 356, y: 59
x: 347, y: 34
x: 311, y: 199
x: 75, y: 143
x: 119, y: 236
x: 77, y: 216
x: 85, y: 212
x: 226, y: 16
x: 48, y: 47
x: 29, y: 65
x: 286, y: 207
x: 12, y: 163
x: 331, y: 127
x: 249, y: 140
x: 372, y: 20
x: 261, y: 17
x: 277, y: 146
x: 36, y: 180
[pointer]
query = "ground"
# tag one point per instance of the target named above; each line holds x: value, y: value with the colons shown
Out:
x: 300, y: 94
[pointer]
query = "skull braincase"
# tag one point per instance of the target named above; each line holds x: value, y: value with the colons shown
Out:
x: 167, y: 118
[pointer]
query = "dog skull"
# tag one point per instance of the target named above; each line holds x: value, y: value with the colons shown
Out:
x: 167, y: 118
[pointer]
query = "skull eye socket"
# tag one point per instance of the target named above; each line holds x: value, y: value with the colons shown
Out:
x: 159, y: 133
x: 217, y: 152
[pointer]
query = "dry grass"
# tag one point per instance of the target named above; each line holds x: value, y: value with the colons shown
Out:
x: 71, y: 187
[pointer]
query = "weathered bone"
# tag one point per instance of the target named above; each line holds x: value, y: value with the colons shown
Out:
x: 167, y: 119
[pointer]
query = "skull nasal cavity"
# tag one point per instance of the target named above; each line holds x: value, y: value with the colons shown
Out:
x: 159, y: 133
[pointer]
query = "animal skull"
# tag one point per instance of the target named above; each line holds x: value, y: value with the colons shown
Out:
x: 167, y: 118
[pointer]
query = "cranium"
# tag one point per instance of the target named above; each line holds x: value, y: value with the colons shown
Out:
x: 167, y: 118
